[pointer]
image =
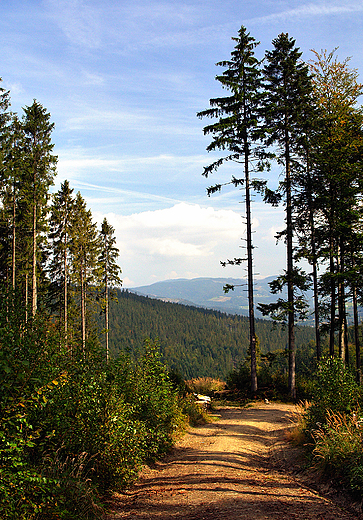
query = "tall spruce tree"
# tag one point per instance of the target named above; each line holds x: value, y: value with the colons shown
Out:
x: 287, y: 93
x: 236, y: 130
x: 39, y: 167
x: 108, y: 272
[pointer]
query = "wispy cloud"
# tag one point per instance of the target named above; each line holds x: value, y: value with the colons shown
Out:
x: 79, y: 21
x: 309, y: 10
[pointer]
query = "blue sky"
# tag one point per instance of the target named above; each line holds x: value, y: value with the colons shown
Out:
x: 123, y: 82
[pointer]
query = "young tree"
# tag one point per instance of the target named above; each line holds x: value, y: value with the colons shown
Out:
x: 5, y: 117
x: 287, y: 94
x: 61, y: 219
x: 236, y: 130
x: 40, y: 166
x: 85, y: 250
x: 108, y: 272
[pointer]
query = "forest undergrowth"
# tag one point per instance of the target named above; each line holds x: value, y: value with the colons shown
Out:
x: 73, y: 427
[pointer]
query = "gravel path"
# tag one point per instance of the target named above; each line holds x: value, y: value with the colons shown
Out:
x: 227, y: 470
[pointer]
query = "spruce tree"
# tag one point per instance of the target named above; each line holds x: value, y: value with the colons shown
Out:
x: 84, y: 250
x: 236, y: 130
x: 39, y: 167
x: 108, y: 272
x: 287, y: 94
x: 61, y: 219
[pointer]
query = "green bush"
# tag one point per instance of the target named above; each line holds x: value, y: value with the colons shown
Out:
x: 338, y: 450
x: 71, y: 429
x: 334, y: 390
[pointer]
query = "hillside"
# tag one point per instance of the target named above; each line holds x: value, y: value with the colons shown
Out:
x: 209, y: 293
x: 193, y: 341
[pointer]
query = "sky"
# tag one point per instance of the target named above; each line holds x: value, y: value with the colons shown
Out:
x: 123, y: 82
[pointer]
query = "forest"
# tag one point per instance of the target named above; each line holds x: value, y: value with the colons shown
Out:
x: 196, y: 342
x: 88, y: 385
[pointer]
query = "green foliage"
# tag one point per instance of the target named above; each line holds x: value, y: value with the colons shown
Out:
x: 271, y: 373
x: 331, y: 425
x: 335, y: 390
x: 338, y: 450
x: 70, y: 430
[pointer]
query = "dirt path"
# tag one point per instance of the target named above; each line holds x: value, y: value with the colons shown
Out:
x: 227, y: 470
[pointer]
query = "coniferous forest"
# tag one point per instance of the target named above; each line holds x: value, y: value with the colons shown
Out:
x: 195, y: 342
x: 89, y: 373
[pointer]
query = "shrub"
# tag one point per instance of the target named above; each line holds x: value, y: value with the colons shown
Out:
x: 338, y: 449
x: 335, y: 390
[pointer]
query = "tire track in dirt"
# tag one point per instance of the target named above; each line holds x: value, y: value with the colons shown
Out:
x: 225, y: 470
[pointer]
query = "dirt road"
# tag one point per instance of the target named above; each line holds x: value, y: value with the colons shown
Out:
x: 227, y: 471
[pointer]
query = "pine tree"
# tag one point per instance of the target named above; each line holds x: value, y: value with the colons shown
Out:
x: 287, y: 94
x: 84, y: 250
x: 61, y: 219
x: 108, y: 272
x: 237, y: 130
x: 5, y: 117
x: 39, y: 166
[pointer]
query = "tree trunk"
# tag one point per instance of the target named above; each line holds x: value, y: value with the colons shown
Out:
x: 341, y: 308
x: 251, y: 311
x: 34, y: 261
x: 83, y: 314
x: 106, y: 319
x: 65, y: 296
x: 356, y: 337
x: 332, y: 300
x: 13, y: 261
x: 290, y: 281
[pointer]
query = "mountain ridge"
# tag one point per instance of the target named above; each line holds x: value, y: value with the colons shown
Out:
x: 208, y: 293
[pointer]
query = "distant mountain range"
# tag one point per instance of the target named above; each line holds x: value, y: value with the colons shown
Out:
x: 209, y: 293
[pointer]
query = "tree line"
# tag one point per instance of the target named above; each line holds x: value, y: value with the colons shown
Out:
x: 305, y: 118
x: 51, y: 251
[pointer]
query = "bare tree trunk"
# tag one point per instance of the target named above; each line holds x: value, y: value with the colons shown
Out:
x: 290, y: 281
x: 356, y: 337
x: 341, y: 308
x: 83, y: 314
x: 26, y: 297
x: 251, y: 311
x: 107, y: 320
x: 14, y: 240
x: 315, y: 283
x: 34, y: 267
x: 332, y: 300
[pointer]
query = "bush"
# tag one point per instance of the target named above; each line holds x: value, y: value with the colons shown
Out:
x: 335, y: 390
x: 71, y: 429
x: 338, y: 450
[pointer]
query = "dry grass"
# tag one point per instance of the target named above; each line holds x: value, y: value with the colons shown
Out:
x: 205, y: 385
x: 296, y: 434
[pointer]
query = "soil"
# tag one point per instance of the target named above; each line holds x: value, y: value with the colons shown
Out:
x: 239, y: 467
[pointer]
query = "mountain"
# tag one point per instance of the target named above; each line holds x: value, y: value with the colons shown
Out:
x: 209, y: 293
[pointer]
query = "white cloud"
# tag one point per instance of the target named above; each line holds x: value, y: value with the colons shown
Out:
x: 183, y: 241
x: 310, y: 10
